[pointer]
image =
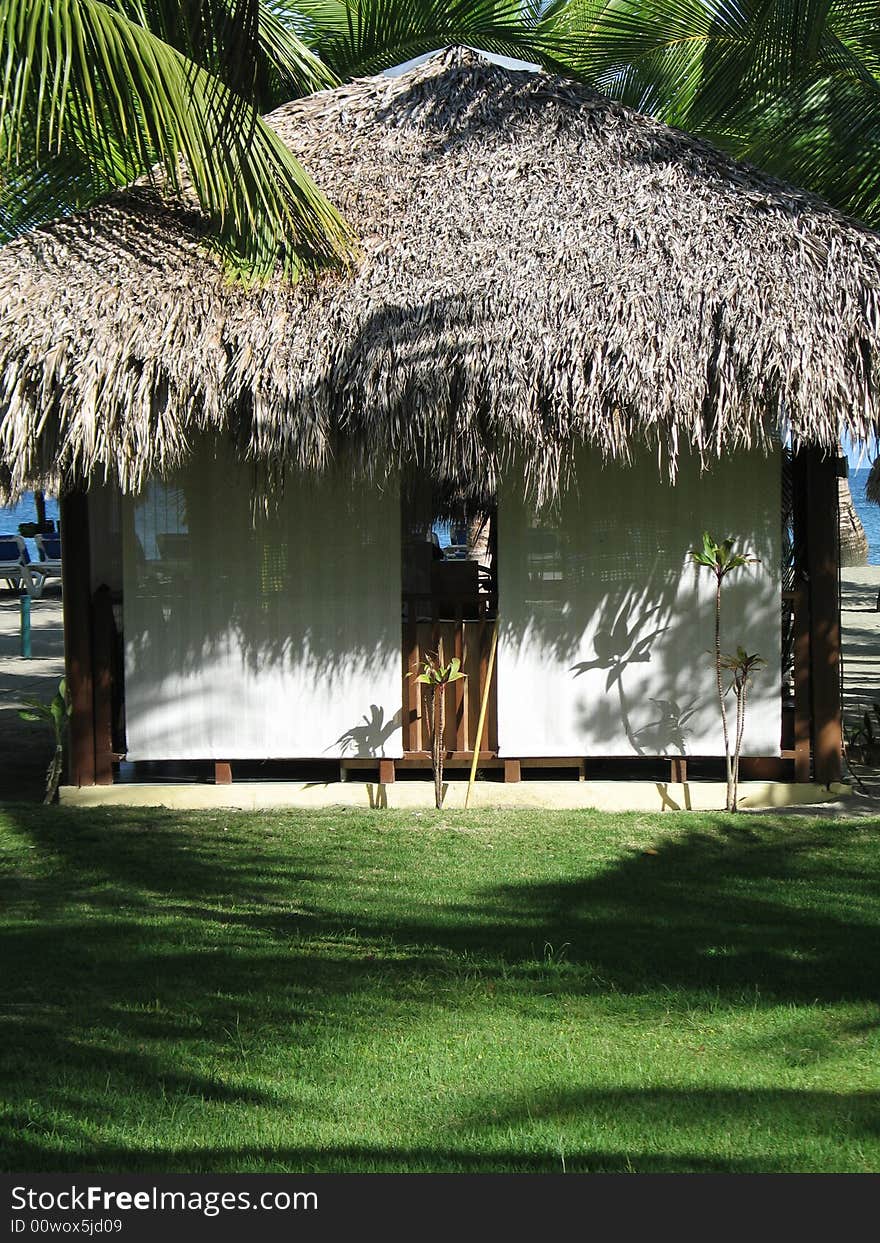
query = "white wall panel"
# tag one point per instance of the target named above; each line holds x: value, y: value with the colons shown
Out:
x: 274, y: 639
x: 606, y: 627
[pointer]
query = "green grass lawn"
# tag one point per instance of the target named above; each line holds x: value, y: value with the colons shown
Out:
x: 351, y: 991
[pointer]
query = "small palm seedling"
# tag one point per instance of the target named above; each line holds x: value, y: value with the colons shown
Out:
x: 56, y: 714
x: 437, y: 676
x: 741, y: 666
x: 721, y: 560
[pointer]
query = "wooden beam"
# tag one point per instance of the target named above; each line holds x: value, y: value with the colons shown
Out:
x: 422, y: 759
x: 803, y: 709
x: 77, y: 604
x: 765, y: 768
x: 823, y: 560
x: 386, y: 772
x: 222, y: 773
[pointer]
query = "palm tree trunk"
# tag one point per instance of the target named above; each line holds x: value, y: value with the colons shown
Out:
x: 853, y: 540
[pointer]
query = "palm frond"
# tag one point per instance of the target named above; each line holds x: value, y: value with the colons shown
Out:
x: 87, y: 74
x: 359, y: 37
x: 793, y: 85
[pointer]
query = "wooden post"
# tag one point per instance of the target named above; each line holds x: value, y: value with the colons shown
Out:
x: 76, y: 590
x: 412, y: 725
x: 823, y: 559
x: 386, y: 772
x: 489, y: 637
x: 678, y: 770
x: 222, y: 773
x: 512, y: 771
x: 103, y: 638
x: 462, y: 739
x: 803, y: 712
x: 802, y: 747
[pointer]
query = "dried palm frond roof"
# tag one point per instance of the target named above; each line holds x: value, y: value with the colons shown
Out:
x: 540, y: 267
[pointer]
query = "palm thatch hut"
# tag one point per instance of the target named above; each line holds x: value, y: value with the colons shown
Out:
x: 601, y: 333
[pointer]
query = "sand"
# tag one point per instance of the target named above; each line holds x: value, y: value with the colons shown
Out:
x: 860, y: 623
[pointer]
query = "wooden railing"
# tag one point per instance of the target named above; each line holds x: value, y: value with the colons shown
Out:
x: 464, y: 624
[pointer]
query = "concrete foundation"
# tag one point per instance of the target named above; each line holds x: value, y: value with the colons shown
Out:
x: 548, y: 795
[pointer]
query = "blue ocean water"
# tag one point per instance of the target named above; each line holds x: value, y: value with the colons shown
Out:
x: 25, y: 511
x: 869, y: 514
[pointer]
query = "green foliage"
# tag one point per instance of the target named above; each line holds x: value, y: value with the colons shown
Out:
x: 792, y: 85
x: 56, y: 714
x: 720, y: 558
x: 742, y: 665
x: 98, y: 92
x: 437, y: 676
x: 359, y: 37
x: 94, y: 94
x: 434, y: 673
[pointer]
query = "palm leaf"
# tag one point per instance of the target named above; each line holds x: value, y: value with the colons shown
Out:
x: 359, y: 37
x: 793, y: 85
x: 84, y: 76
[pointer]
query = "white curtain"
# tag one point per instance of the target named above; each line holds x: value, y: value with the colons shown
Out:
x: 605, y: 625
x: 257, y: 639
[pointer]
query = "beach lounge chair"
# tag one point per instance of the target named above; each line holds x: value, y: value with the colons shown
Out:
x: 10, y: 561
x: 48, y: 547
x: 15, y: 565
x: 48, y: 564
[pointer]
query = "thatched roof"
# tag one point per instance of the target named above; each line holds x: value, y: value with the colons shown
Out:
x: 541, y: 266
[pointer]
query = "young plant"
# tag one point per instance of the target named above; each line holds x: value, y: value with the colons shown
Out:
x: 56, y: 714
x: 721, y: 560
x: 741, y: 666
x: 437, y: 676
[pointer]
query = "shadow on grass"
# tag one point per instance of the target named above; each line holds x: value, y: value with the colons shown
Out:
x: 144, y: 851
x: 788, y: 910
x: 782, y: 913
x: 136, y: 934
x: 675, y: 1125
